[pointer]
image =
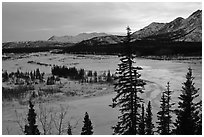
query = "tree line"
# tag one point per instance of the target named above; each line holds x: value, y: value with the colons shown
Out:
x: 81, y: 75
x: 142, y: 48
x: 28, y: 77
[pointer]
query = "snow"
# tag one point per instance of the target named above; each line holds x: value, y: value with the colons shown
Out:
x: 103, y: 117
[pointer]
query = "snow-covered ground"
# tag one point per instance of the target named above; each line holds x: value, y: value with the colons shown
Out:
x: 103, y: 117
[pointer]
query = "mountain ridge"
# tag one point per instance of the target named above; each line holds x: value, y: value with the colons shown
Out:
x: 180, y: 29
x: 193, y: 22
x: 75, y: 39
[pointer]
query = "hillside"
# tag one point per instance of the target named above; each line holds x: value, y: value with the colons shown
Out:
x: 180, y: 29
x: 103, y: 40
x: 148, y: 30
x: 75, y: 39
x: 189, y: 29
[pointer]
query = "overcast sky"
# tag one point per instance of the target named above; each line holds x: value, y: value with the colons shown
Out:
x: 39, y: 21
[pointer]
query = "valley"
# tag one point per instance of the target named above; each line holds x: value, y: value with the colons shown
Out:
x: 94, y: 98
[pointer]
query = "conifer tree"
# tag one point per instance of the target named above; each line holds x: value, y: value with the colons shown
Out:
x: 161, y: 115
x: 149, y: 126
x: 164, y: 116
x: 5, y: 76
x: 199, y: 120
x: 87, y: 129
x: 141, y: 129
x: 169, y: 105
x: 81, y: 75
x: 95, y: 76
x: 128, y: 86
x: 37, y: 73
x: 188, y: 111
x: 31, y: 128
x: 109, y: 79
x: 69, y: 129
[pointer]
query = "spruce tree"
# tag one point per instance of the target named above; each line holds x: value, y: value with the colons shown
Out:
x: 141, y: 129
x: 5, y: 76
x: 127, y: 86
x: 199, y: 120
x: 161, y: 115
x: 95, y: 76
x: 188, y: 111
x: 109, y: 79
x: 69, y: 129
x: 87, y: 129
x: 164, y: 116
x: 31, y: 128
x: 169, y: 105
x: 149, y: 126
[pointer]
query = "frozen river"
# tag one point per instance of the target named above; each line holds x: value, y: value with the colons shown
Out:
x: 104, y: 117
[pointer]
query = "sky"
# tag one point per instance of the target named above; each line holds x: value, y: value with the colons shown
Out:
x: 23, y: 21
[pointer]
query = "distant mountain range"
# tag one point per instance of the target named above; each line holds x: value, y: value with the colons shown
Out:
x: 75, y: 39
x: 190, y: 27
x: 180, y: 29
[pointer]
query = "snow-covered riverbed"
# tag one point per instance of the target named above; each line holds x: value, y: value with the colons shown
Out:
x: 102, y: 116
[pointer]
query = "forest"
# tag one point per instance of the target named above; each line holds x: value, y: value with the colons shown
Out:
x: 143, y: 48
x: 139, y: 47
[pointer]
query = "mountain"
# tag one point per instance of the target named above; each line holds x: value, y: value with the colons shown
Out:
x: 148, y: 30
x: 180, y: 29
x: 75, y: 39
x: 194, y: 24
x: 103, y: 40
x: 34, y: 44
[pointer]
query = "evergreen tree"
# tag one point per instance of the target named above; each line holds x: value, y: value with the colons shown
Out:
x: 188, y: 111
x: 87, y: 128
x: 69, y: 129
x: 95, y: 76
x: 109, y: 79
x: 199, y: 120
x: 32, y: 76
x: 149, y: 126
x: 5, y: 76
x: 164, y: 116
x: 89, y: 73
x: 128, y: 86
x: 81, y: 75
x: 31, y: 128
x: 161, y: 115
x: 141, y: 129
x: 37, y: 73
x: 169, y: 105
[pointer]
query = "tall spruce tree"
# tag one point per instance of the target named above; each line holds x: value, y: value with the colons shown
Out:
x: 188, y: 111
x: 87, y: 129
x: 31, y: 128
x: 162, y: 118
x: 169, y: 109
x: 149, y: 126
x: 141, y: 129
x: 128, y: 86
